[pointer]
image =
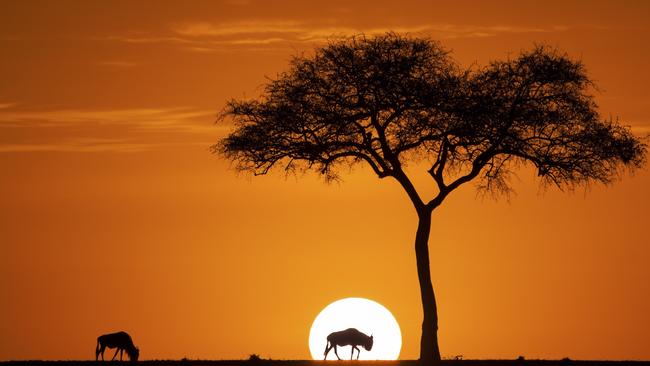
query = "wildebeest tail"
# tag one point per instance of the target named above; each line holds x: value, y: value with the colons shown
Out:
x: 327, y: 347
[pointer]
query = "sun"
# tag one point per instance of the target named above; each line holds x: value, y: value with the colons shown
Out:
x: 367, y: 316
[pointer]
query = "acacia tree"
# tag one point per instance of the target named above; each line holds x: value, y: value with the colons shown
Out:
x: 392, y: 99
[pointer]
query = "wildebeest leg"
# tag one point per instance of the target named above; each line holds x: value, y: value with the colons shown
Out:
x: 352, y: 353
x: 335, y: 352
x: 121, y: 353
x: 115, y: 355
x: 328, y: 347
x: 98, y: 351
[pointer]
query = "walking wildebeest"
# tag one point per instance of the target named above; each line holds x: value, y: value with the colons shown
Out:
x: 120, y: 340
x: 348, y: 337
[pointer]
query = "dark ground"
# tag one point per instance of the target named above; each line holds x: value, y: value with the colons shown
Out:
x: 565, y: 362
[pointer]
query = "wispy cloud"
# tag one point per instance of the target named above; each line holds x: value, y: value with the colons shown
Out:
x: 120, y: 130
x: 641, y: 129
x: 146, y: 118
x: 294, y: 30
x: 207, y: 36
x: 477, y: 31
x: 148, y: 39
x: 78, y: 145
x: 202, y: 29
x: 6, y: 105
x: 117, y: 63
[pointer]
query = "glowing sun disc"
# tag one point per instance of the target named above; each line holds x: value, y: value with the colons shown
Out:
x: 367, y: 316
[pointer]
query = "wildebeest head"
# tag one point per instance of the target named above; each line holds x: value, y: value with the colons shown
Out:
x: 133, y: 353
x: 368, y: 344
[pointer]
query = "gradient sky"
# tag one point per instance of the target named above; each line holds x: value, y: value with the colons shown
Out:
x: 113, y: 214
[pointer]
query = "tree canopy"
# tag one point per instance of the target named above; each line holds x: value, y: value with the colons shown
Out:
x: 393, y: 99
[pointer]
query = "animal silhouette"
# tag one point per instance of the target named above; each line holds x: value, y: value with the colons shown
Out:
x: 120, y: 340
x: 348, y: 337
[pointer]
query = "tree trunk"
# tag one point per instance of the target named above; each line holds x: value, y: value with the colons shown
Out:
x: 429, y: 351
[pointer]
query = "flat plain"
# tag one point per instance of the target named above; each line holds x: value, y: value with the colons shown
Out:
x: 187, y: 362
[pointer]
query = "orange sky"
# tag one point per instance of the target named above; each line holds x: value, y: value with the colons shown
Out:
x: 115, y: 216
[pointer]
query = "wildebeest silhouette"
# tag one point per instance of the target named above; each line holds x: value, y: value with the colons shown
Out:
x: 348, y: 337
x: 120, y: 340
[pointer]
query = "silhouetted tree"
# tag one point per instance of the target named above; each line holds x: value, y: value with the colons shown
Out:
x: 393, y: 99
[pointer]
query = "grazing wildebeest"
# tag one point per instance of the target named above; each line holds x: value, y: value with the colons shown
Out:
x: 348, y: 337
x: 120, y: 340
